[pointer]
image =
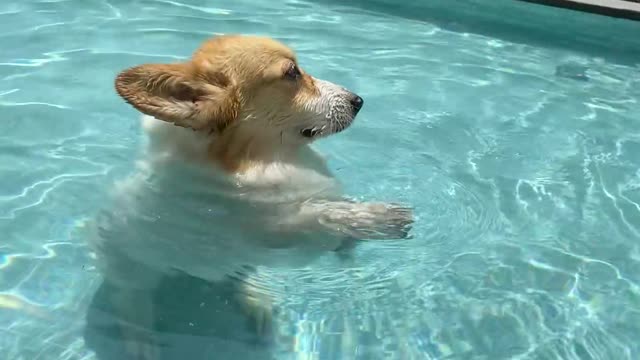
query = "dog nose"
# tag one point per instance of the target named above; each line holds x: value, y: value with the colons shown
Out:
x: 357, y: 102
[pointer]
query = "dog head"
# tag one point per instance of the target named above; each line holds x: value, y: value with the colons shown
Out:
x: 247, y: 84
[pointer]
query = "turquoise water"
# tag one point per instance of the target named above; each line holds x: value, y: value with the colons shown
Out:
x: 522, y: 160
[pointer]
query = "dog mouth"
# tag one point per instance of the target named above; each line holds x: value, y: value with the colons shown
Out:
x: 325, y: 130
x: 310, y: 132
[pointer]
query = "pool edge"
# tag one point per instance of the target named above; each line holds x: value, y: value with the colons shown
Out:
x: 623, y: 10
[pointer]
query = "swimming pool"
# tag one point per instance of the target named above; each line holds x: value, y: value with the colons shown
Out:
x: 519, y: 152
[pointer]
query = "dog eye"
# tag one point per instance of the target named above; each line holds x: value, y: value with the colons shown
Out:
x: 292, y: 72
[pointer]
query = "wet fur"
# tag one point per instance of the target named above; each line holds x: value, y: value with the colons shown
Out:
x: 225, y: 131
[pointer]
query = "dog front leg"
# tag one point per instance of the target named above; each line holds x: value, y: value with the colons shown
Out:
x: 134, y: 310
x: 355, y: 220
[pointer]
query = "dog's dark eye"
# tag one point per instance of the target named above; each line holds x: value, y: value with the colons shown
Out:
x: 292, y: 73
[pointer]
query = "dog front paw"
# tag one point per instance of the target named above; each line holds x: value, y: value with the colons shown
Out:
x: 141, y: 348
x: 258, y: 308
x: 397, y: 221
x: 372, y: 220
x: 387, y: 221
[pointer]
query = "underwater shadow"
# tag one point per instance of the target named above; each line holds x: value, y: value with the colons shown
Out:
x: 190, y: 319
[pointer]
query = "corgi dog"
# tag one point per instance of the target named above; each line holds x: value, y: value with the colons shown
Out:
x: 227, y: 179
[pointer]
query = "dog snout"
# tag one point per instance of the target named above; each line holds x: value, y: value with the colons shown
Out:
x: 357, y: 102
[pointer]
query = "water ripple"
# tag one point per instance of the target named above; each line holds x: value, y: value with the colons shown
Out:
x: 32, y: 103
x: 206, y: 10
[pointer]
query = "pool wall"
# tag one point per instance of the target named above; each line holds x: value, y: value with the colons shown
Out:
x: 626, y: 9
x: 521, y: 21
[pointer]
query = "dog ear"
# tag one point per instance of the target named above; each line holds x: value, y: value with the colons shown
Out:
x: 173, y: 93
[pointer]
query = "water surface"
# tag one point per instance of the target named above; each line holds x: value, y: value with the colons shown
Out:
x: 521, y: 160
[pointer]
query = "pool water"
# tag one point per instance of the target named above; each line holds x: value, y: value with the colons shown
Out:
x: 522, y: 162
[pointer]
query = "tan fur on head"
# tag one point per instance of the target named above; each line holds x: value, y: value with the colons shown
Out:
x: 205, y: 92
x: 249, y: 91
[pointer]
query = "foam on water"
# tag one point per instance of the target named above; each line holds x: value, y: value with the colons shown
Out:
x: 522, y: 163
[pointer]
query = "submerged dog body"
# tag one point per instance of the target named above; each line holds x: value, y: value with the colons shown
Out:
x: 179, y: 212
